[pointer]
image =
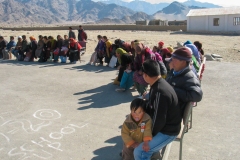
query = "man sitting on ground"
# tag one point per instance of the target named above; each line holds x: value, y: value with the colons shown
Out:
x: 7, y: 52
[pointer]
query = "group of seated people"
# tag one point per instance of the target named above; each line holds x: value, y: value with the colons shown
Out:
x: 155, y: 117
x: 45, y: 49
x: 131, y: 56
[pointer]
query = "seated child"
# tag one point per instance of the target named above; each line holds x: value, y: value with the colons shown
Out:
x: 136, y: 129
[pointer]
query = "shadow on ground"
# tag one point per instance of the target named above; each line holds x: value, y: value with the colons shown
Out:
x: 90, y: 68
x: 103, y: 96
x: 35, y: 63
x: 110, y: 152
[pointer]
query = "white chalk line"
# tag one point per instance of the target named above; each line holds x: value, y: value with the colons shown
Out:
x: 5, y: 137
x: 27, y: 125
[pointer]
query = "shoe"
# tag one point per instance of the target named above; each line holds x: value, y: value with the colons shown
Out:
x: 120, y: 90
x: 74, y: 62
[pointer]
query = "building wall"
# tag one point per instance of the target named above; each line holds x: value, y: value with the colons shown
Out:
x: 231, y: 27
x: 205, y: 23
x: 221, y: 26
x: 196, y: 23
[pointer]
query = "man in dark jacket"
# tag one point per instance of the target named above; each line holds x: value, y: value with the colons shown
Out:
x: 3, y: 45
x: 71, y: 34
x: 182, y: 79
x: 82, y: 35
x: 24, y: 47
x: 162, y: 108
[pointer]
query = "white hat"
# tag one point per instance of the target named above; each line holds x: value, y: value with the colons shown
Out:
x: 20, y: 37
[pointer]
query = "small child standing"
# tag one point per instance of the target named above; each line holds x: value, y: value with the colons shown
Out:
x: 136, y: 129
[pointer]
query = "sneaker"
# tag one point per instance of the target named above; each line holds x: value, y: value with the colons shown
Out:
x: 120, y: 90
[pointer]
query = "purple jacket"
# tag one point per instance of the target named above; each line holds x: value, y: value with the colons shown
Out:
x: 140, y: 58
x: 100, y: 46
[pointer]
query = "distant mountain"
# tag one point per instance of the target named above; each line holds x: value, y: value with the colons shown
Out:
x: 58, y: 11
x: 200, y: 4
x: 139, y: 5
x: 149, y: 8
x: 175, y: 11
x: 139, y: 16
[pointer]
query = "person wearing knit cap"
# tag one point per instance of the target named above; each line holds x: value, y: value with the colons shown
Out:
x: 185, y: 83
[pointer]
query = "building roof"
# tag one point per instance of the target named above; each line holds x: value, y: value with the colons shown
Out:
x: 214, y: 11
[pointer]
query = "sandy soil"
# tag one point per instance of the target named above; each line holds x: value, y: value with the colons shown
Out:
x: 226, y: 46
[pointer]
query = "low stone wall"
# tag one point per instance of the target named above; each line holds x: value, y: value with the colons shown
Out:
x: 108, y: 27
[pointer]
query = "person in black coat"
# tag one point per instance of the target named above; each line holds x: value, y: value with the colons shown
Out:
x: 182, y: 79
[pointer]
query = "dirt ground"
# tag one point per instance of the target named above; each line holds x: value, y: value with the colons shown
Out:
x: 226, y: 46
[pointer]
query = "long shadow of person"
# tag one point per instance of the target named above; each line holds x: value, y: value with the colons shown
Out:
x: 110, y: 152
x: 90, y: 68
x: 103, y: 96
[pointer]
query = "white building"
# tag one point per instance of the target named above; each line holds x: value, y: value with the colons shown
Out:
x: 214, y: 19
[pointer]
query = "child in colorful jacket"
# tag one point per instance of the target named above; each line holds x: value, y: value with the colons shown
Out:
x: 136, y: 129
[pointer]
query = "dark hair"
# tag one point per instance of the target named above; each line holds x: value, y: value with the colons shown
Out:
x: 50, y: 37
x: 23, y: 36
x: 138, y: 103
x: 199, y: 47
x: 11, y: 37
x: 45, y: 37
x: 80, y: 26
x: 40, y: 36
x: 104, y: 37
x: 151, y: 68
x: 99, y: 36
x: 70, y: 27
x: 155, y: 47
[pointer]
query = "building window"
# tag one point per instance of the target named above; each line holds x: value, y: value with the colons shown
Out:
x: 236, y: 21
x: 215, y: 21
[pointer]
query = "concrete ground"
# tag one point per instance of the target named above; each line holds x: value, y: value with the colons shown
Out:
x: 71, y: 111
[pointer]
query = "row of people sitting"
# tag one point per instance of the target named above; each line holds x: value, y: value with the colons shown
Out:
x: 131, y: 56
x: 45, y: 49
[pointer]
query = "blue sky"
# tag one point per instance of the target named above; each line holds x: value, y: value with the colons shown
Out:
x: 225, y: 3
